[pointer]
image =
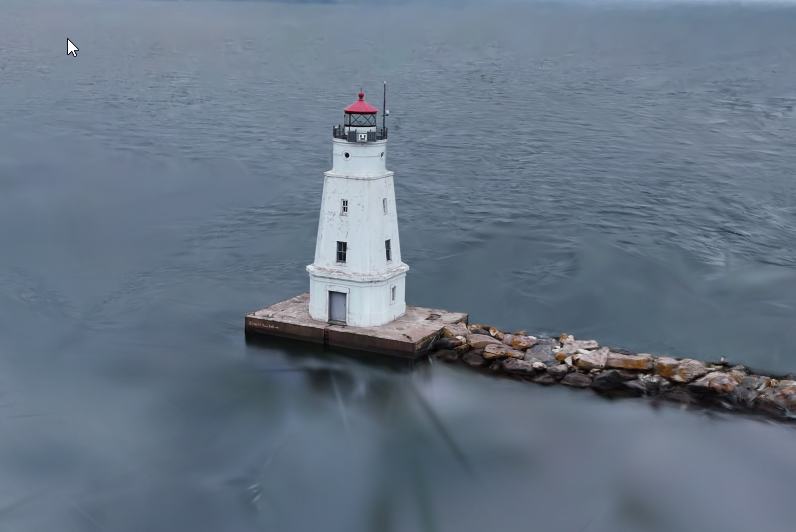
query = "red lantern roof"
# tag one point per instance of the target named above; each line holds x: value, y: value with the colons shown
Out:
x: 361, y: 107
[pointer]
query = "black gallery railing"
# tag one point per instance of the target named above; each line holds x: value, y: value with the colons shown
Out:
x: 352, y: 135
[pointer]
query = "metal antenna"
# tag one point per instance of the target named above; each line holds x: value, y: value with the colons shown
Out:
x: 384, y: 108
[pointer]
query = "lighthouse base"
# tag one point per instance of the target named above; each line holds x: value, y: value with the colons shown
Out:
x: 408, y: 336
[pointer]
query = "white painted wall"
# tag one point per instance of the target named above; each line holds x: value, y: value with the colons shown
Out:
x: 364, y: 181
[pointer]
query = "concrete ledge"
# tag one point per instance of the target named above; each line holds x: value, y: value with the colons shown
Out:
x: 407, y: 337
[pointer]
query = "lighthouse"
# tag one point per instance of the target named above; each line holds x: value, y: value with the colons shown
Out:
x: 358, y: 278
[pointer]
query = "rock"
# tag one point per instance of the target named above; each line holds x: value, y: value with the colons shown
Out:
x: 480, y: 341
x: 544, y: 353
x: 538, y: 365
x: 454, y: 330
x: 493, y: 351
x: 756, y: 383
x: 747, y: 391
x: 716, y: 382
x: 740, y: 371
x: 519, y: 342
x: 688, y: 370
x: 560, y: 356
x: 474, y: 359
x: 519, y: 367
x: 627, y: 374
x: 666, y: 366
x: 558, y: 372
x: 641, y: 362
x: 547, y: 341
x: 568, y: 361
x: 571, y: 346
x: 681, y: 371
x: 779, y: 400
x: 622, y: 351
x: 591, y: 359
x: 478, y: 330
x: 521, y: 333
x: 544, y: 379
x: 608, y: 381
x: 564, y: 337
x: 463, y: 348
x: 577, y: 380
x: 448, y: 355
x: 447, y: 343
x: 639, y: 387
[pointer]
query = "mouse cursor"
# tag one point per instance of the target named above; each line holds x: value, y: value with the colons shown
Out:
x: 71, y: 48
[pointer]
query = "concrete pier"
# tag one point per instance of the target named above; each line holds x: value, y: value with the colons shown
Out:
x: 408, y: 336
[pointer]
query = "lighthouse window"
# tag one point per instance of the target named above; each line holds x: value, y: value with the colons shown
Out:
x: 389, y: 250
x: 344, y: 210
x: 381, y: 155
x: 393, y: 293
x: 346, y: 155
x: 341, y: 251
x: 384, y: 205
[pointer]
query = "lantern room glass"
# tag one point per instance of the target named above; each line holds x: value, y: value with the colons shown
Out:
x: 360, y: 120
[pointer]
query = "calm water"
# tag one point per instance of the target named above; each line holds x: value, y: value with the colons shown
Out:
x: 617, y: 173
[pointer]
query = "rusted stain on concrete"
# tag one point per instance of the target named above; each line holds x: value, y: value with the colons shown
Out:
x: 409, y: 336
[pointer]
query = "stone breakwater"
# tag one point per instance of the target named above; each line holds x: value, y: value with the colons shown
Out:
x: 610, y: 371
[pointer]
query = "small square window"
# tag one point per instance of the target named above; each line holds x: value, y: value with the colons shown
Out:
x: 388, y: 248
x: 393, y: 293
x: 384, y: 205
x: 341, y: 251
x: 344, y: 209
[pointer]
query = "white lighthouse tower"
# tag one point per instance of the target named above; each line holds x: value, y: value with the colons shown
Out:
x: 358, y: 278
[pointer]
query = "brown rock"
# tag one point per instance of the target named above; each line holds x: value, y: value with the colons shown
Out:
x: 688, y: 370
x: 454, y: 330
x: 716, y: 382
x: 519, y: 342
x: 495, y: 333
x: 591, y: 360
x: 578, y: 380
x: 463, y: 348
x: 493, y: 351
x: 519, y: 367
x: 564, y: 338
x: 558, y: 372
x: 480, y: 341
x: 560, y: 356
x: 641, y: 362
x: 521, y: 333
x: 666, y: 366
x: 474, y: 359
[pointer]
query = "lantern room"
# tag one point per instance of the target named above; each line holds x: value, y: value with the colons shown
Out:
x: 360, y: 114
x: 360, y: 123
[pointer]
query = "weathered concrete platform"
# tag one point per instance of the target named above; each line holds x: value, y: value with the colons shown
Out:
x: 408, y: 336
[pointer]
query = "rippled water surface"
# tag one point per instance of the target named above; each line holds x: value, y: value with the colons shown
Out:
x: 618, y: 173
